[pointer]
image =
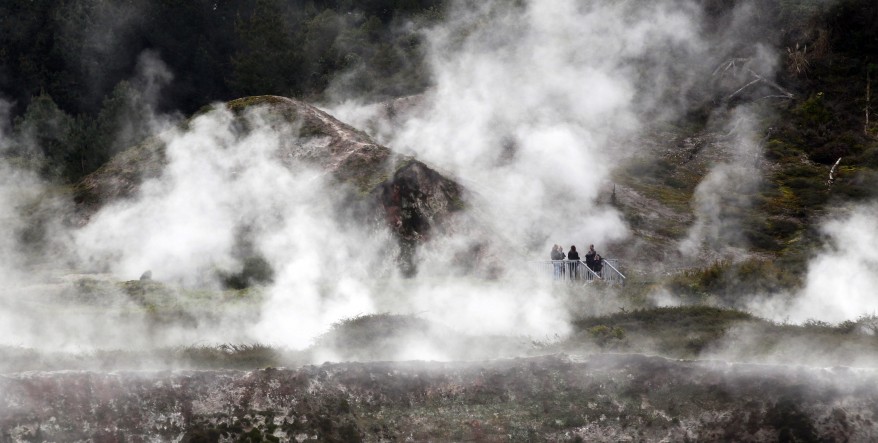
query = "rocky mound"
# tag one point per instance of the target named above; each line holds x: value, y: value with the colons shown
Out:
x: 410, y: 197
x: 605, y: 398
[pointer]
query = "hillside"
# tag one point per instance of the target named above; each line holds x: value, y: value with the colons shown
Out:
x: 361, y: 269
x: 391, y: 190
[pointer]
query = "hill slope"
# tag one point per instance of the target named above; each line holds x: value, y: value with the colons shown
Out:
x: 404, y: 194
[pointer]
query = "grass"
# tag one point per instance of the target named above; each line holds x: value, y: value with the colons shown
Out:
x: 222, y: 356
x: 725, y: 281
x: 687, y: 332
x: 244, y: 103
x: 701, y: 332
x: 660, y: 183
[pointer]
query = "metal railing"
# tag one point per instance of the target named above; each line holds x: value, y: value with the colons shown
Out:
x: 578, y: 271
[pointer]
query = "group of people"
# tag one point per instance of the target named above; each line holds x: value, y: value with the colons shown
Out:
x: 593, y: 262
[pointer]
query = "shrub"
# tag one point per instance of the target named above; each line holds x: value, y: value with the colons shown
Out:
x: 727, y: 281
x: 830, y: 153
x: 783, y: 227
x: 777, y: 149
x: 814, y: 112
x: 603, y: 335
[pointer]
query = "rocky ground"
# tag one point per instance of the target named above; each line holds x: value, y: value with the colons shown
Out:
x: 604, y: 397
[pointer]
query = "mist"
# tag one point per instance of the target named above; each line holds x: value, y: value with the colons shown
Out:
x: 841, y: 280
x: 269, y: 268
x: 222, y: 184
x: 528, y: 109
x: 532, y: 108
x: 726, y: 191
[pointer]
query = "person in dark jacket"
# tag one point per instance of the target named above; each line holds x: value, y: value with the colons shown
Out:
x: 573, y: 267
x: 589, y: 257
x: 598, y: 265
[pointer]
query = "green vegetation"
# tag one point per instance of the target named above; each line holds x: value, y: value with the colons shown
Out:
x: 801, y: 139
x: 687, y: 332
x: 224, y: 356
x: 702, y: 332
x: 725, y: 282
x: 674, y: 332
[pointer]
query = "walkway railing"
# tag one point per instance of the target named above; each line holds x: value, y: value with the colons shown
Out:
x: 577, y: 271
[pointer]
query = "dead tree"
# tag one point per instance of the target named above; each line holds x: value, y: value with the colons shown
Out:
x: 868, y: 98
x: 832, y: 173
x: 740, y: 65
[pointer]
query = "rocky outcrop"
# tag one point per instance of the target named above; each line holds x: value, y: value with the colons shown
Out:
x: 603, y: 398
x: 413, y: 199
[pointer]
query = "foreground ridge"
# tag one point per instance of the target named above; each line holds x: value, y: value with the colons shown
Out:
x: 607, y: 397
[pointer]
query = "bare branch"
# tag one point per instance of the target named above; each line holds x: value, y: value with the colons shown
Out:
x: 771, y: 83
x: 733, y: 63
x: 743, y: 88
x: 832, y: 172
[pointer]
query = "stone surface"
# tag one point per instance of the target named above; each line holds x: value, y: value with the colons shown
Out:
x: 553, y: 398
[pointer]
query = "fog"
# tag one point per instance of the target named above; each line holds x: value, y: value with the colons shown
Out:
x: 533, y: 107
x: 841, y: 278
x: 726, y: 190
x: 529, y: 106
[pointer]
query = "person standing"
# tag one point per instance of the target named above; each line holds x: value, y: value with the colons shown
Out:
x: 557, y: 255
x: 574, y: 265
x: 598, y: 265
x: 589, y: 257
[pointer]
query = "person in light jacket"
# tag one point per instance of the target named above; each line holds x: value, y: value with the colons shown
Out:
x: 556, y: 255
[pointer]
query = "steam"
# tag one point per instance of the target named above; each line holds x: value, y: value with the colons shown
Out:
x: 539, y: 157
x: 92, y: 48
x: 528, y: 106
x: 841, y: 279
x: 726, y: 190
x: 529, y: 109
x: 18, y: 187
x: 152, y: 76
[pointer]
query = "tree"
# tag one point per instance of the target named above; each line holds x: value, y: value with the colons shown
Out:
x: 42, y: 136
x: 266, y: 61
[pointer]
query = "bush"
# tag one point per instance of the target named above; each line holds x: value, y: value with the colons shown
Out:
x: 870, y: 157
x: 727, y: 281
x: 783, y: 228
x: 603, y: 335
x: 814, y: 112
x: 829, y: 153
x: 777, y: 149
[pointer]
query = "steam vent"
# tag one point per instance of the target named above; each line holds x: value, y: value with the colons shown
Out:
x: 246, y: 221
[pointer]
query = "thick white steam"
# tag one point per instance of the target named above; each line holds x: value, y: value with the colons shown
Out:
x: 841, y: 280
x: 529, y: 109
x: 529, y: 104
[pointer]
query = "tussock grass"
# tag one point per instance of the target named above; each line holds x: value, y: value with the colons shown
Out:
x: 709, y: 332
x: 727, y: 281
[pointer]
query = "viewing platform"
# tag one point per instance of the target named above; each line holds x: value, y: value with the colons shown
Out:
x: 576, y: 271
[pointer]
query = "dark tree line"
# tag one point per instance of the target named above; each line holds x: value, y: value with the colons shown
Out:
x: 70, y: 68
